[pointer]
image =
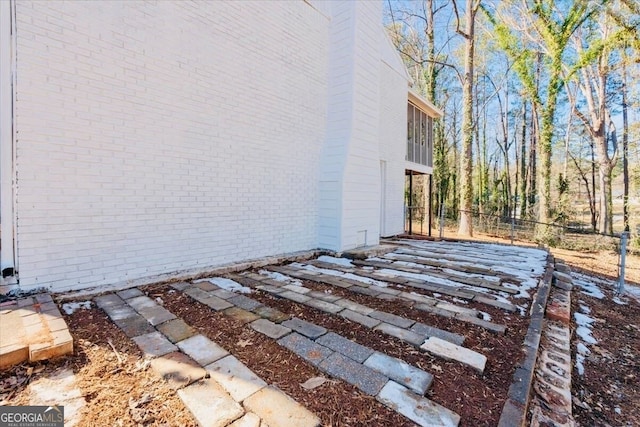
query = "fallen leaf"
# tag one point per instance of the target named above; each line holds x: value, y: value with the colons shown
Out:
x: 436, y: 368
x: 244, y: 343
x: 314, y: 382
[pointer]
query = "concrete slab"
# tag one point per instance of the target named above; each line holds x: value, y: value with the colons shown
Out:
x: 418, y: 409
x: 305, y: 328
x: 202, y: 349
x: 363, y: 377
x: 277, y: 409
x: 238, y: 380
x: 449, y: 351
x: 270, y: 329
x: 210, y: 405
x: 344, y: 346
x: 154, y: 344
x: 177, y: 369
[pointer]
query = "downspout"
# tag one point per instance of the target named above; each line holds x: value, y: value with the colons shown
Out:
x: 7, y: 138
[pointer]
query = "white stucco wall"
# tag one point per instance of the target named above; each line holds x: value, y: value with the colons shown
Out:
x: 163, y: 137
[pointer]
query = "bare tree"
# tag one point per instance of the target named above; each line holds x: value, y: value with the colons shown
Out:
x: 465, y: 227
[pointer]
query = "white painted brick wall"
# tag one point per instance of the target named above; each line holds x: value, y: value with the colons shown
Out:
x: 156, y: 137
x: 393, y: 137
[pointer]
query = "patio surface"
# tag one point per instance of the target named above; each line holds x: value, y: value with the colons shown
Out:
x: 454, y: 293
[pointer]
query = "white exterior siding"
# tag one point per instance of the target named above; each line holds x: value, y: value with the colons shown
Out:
x: 163, y: 137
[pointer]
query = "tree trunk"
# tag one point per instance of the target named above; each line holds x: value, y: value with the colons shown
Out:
x: 465, y: 227
x: 625, y: 146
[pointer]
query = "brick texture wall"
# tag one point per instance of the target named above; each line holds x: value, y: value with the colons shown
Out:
x: 159, y: 137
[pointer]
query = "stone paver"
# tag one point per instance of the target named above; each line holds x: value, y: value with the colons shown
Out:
x: 245, y: 303
x: 181, y: 286
x: 297, y: 288
x: 272, y: 314
x: 223, y: 294
x: 134, y: 326
x: 305, y: 328
x: 354, y: 306
x: 270, y: 329
x: 177, y: 369
x: 120, y: 312
x: 176, y: 330
x: 238, y: 380
x: 430, y: 331
x: 130, y: 293
x: 277, y: 409
x: 366, y: 379
x: 210, y: 405
x: 215, y: 303
x: 325, y: 296
x: 450, y: 351
x: 392, y: 319
x: 202, y: 349
x: 249, y: 420
x: 241, y: 315
x: 58, y: 388
x: 344, y: 346
x: 141, y: 302
x: 360, y: 318
x: 418, y: 409
x: 294, y: 296
x: 156, y: 315
x: 305, y: 348
x: 411, y: 377
x: 109, y: 300
x: 324, y: 306
x: 400, y: 333
x: 154, y: 344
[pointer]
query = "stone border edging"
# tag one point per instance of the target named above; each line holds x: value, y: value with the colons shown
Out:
x: 514, y: 411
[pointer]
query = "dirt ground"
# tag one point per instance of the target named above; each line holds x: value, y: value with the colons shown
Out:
x: 121, y: 390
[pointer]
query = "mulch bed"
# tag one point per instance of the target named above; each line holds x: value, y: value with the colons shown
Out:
x: 335, y: 402
x: 609, y: 391
x: 478, y: 399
